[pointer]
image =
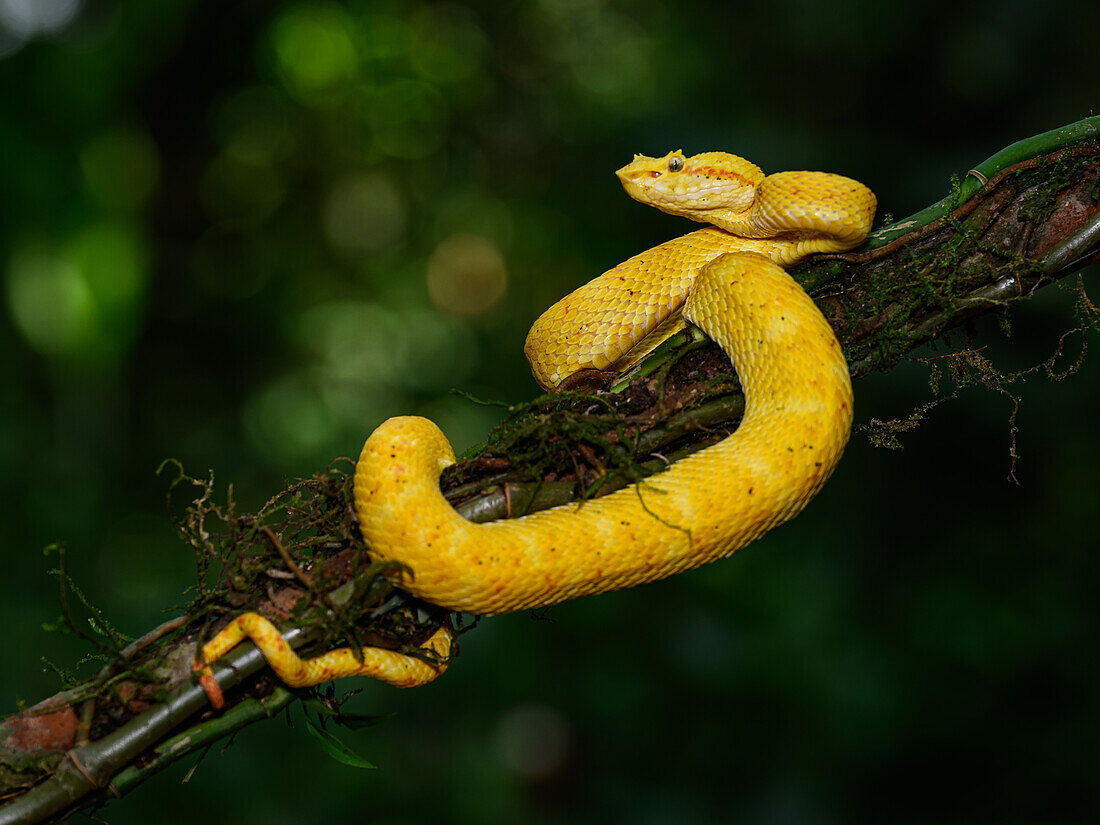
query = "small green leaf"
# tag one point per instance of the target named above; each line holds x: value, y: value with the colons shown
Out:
x: 354, y: 721
x: 335, y: 748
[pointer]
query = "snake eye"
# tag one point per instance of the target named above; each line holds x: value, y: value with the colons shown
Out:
x: 675, y: 163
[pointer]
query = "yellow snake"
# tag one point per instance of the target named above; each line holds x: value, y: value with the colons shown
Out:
x: 728, y: 280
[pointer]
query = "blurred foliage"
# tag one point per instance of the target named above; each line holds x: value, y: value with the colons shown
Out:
x: 241, y: 234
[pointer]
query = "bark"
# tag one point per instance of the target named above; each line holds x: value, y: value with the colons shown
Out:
x: 1025, y: 218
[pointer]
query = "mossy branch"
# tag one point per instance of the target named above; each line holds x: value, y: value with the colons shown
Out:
x: 1023, y: 219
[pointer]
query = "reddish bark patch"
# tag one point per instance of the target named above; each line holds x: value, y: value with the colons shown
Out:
x: 37, y: 729
x: 1074, y: 208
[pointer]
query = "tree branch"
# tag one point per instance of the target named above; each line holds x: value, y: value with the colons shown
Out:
x: 1024, y: 218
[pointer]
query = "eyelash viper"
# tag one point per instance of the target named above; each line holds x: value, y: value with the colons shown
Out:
x: 728, y: 280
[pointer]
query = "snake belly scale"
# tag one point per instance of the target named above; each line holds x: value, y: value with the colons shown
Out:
x: 728, y: 280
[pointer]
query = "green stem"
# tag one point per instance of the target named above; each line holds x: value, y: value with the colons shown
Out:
x: 172, y: 750
x: 976, y: 177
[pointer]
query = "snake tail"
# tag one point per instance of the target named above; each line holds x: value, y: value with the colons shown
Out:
x: 390, y: 666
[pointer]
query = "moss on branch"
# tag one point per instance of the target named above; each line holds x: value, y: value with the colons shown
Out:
x: 1020, y: 221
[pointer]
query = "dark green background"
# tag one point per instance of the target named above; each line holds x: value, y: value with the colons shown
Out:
x: 218, y: 222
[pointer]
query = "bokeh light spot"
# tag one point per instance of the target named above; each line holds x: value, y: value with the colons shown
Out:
x: 288, y: 420
x: 83, y: 299
x: 532, y: 740
x: 113, y: 260
x: 355, y: 342
x: 50, y: 301
x: 363, y: 213
x: 314, y: 49
x: 467, y: 275
x: 26, y: 18
x: 370, y: 348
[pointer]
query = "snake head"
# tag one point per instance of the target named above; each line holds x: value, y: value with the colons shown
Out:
x: 693, y: 187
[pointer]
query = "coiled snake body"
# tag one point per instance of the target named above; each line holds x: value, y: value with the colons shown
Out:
x: 727, y: 279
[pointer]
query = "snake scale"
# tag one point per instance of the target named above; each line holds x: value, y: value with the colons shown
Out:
x: 728, y: 280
